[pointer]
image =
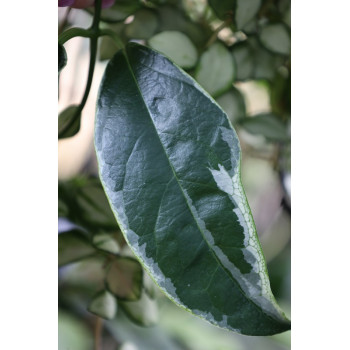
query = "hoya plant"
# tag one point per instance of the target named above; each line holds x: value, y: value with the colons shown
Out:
x: 167, y: 213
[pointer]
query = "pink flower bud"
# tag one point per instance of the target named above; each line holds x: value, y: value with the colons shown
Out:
x: 64, y: 3
x: 107, y: 3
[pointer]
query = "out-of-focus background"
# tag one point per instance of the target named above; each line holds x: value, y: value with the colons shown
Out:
x: 265, y: 176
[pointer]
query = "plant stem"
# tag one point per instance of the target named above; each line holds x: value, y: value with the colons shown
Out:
x: 94, y: 29
x: 98, y: 333
x: 217, y: 31
x: 72, y: 33
x: 92, y: 33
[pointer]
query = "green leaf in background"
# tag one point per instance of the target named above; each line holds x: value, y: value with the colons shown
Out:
x: 107, y: 46
x: 104, y: 305
x: 143, y: 26
x: 124, y: 278
x: 73, y: 333
x: 86, y: 275
x: 223, y: 8
x: 245, y: 11
x: 69, y: 122
x: 276, y: 38
x: 72, y: 246
x: 241, y: 11
x: 94, y: 209
x: 253, y: 61
x: 170, y: 164
x: 284, y: 8
x: 216, y: 70
x: 106, y: 242
x: 267, y: 125
x: 243, y: 57
x: 173, y: 19
x: 83, y: 201
x: 119, y: 11
x: 144, y: 311
x: 177, y: 46
x: 232, y: 102
x: 62, y: 57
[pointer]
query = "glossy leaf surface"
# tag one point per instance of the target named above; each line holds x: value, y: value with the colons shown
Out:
x: 169, y: 161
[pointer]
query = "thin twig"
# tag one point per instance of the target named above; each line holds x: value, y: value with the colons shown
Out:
x: 98, y: 333
x: 217, y: 31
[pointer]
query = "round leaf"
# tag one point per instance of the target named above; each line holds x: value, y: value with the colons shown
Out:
x: 267, y: 125
x: 244, y: 59
x: 104, y: 305
x: 176, y: 46
x: 276, y: 38
x: 62, y: 57
x: 106, y: 242
x: 119, y: 11
x: 143, y: 312
x: 232, y: 102
x: 73, y: 246
x: 124, y: 278
x: 216, y: 70
x: 69, y: 122
x: 143, y: 26
x: 245, y: 11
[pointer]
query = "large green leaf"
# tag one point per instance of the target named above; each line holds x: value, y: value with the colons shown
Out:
x: 169, y: 161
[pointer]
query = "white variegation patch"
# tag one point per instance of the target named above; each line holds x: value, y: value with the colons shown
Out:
x: 256, y: 283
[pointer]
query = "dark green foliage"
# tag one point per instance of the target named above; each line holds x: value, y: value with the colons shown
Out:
x: 158, y: 161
